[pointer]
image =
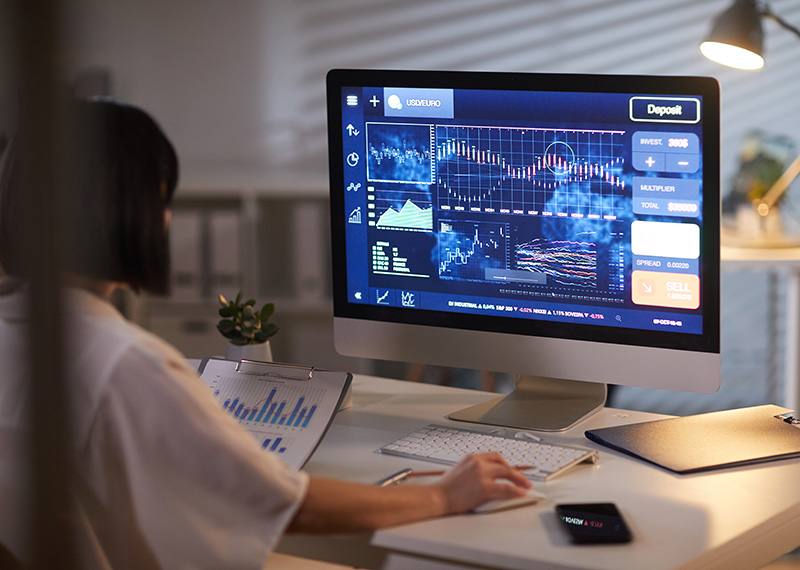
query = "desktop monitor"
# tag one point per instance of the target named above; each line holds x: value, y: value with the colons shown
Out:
x: 562, y: 227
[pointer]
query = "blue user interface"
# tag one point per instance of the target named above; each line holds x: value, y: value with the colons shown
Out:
x: 568, y: 207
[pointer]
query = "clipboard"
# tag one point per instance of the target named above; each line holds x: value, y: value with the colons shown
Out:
x: 287, y: 408
x: 704, y: 442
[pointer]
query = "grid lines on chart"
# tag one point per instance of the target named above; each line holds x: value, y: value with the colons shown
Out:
x: 560, y: 172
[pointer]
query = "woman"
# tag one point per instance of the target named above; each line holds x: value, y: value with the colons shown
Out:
x: 164, y: 478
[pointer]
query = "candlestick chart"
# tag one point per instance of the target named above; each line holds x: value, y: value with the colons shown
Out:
x: 399, y: 153
x: 528, y: 171
x: 467, y: 249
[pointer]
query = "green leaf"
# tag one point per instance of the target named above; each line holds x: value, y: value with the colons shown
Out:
x: 226, y: 325
x: 266, y: 311
x: 232, y: 334
x: 242, y: 323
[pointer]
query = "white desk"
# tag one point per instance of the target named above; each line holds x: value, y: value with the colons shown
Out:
x: 738, y: 518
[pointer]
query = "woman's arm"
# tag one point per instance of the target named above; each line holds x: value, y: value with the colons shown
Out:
x: 340, y: 506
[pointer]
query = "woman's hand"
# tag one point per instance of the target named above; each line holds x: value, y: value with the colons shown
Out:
x: 331, y: 505
x: 477, y: 479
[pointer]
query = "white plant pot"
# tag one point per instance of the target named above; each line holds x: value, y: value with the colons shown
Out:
x: 259, y: 352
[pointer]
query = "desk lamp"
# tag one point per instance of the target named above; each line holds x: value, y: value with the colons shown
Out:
x: 737, y: 40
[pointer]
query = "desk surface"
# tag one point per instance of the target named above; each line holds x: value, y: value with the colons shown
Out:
x: 735, y: 518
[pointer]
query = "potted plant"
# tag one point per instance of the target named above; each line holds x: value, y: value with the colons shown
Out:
x: 248, y: 330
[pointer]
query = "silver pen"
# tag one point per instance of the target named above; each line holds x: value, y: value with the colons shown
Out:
x: 394, y: 478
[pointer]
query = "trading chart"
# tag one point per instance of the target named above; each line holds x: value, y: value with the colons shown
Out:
x: 529, y: 171
x: 463, y: 184
x: 566, y: 262
x: 468, y: 249
x: 399, y: 153
x: 401, y: 206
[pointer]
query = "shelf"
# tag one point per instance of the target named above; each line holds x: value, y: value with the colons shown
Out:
x: 225, y: 182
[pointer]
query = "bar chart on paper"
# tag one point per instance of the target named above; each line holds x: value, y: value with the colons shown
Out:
x: 287, y: 417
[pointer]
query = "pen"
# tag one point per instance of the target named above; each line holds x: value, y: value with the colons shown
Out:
x: 409, y: 473
x: 394, y: 478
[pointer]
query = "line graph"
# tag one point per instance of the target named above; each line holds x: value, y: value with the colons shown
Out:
x: 410, y: 217
x: 529, y: 171
x: 401, y: 207
x: 467, y: 249
x: 566, y: 262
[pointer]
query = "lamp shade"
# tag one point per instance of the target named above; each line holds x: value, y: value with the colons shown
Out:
x: 736, y: 38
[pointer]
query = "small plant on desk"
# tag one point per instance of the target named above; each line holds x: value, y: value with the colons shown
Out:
x: 242, y: 324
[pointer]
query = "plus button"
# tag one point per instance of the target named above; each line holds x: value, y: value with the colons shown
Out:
x: 374, y: 101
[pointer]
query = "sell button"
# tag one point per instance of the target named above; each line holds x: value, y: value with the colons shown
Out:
x: 675, y: 290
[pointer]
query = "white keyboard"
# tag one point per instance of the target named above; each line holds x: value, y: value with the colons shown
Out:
x: 448, y: 445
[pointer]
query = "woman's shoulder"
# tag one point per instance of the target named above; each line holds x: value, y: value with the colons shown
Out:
x: 105, y: 346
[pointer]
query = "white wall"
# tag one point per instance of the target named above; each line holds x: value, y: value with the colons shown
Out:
x: 241, y: 82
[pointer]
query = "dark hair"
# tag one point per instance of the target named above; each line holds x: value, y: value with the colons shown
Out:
x: 117, y: 177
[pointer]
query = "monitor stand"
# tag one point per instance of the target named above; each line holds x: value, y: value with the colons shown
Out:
x: 537, y: 403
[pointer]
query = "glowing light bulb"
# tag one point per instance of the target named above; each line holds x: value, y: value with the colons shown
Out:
x: 732, y: 56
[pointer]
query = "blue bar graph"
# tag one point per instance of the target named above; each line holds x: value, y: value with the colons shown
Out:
x: 277, y: 413
x: 296, y: 409
x: 267, y: 402
x: 275, y: 445
x: 310, y: 414
x: 286, y: 406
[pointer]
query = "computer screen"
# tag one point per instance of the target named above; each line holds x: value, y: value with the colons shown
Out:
x: 562, y: 227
